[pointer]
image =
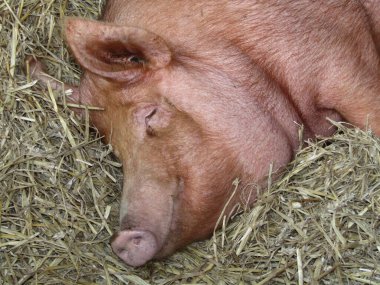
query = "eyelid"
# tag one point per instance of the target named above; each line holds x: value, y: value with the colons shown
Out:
x: 150, y: 115
x: 149, y: 130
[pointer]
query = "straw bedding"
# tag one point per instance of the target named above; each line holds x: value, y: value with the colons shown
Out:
x: 60, y: 187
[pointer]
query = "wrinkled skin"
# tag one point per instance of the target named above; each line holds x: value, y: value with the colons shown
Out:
x: 198, y: 93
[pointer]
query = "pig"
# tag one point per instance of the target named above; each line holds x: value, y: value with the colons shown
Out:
x: 198, y: 93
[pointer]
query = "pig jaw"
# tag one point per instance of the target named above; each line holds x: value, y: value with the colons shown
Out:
x: 163, y: 214
x: 154, y: 235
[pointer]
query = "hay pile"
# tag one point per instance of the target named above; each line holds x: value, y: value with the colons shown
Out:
x: 59, y: 190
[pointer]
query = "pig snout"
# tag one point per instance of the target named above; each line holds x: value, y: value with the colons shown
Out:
x: 143, y: 232
x: 134, y: 247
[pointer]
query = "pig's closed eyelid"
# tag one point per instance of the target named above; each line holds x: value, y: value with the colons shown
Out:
x: 148, y: 128
x: 150, y: 115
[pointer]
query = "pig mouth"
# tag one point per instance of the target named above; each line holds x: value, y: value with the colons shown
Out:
x: 135, y: 246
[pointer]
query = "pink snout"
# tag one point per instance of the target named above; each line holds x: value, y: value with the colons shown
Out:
x: 134, y: 247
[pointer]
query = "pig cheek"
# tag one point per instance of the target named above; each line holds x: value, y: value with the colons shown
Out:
x: 203, y: 203
x: 195, y: 218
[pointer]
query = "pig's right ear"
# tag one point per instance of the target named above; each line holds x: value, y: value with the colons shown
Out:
x: 116, y: 52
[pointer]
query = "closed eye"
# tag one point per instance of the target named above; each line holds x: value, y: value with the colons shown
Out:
x: 149, y: 130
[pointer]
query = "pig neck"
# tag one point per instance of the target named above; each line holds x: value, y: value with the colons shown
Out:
x: 240, y: 103
x: 239, y: 107
x: 271, y: 81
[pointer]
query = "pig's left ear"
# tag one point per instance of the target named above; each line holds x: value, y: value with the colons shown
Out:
x: 116, y: 52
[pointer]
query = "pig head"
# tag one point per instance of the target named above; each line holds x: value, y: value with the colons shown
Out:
x: 198, y: 93
x: 177, y: 169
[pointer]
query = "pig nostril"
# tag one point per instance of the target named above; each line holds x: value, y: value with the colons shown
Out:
x: 120, y: 251
x: 137, y: 240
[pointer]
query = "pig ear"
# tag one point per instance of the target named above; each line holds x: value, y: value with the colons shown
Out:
x: 116, y: 52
